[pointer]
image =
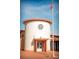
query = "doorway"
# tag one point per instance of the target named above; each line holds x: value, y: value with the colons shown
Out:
x: 39, y: 45
x: 56, y: 45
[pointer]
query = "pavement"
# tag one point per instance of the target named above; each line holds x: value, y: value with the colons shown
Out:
x: 38, y: 55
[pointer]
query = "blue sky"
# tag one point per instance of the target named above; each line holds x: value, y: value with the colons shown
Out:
x: 40, y: 9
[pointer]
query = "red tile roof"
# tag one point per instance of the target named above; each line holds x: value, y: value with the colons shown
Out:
x: 37, y: 19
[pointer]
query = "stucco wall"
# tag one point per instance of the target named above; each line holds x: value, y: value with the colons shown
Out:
x: 32, y: 31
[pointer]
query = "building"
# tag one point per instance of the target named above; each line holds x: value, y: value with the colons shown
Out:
x: 55, y: 40
x: 55, y: 37
x: 22, y: 39
x: 37, y: 37
x: 37, y: 34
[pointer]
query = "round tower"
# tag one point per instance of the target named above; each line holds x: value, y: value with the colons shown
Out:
x: 37, y: 34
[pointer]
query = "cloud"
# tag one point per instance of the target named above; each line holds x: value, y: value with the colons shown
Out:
x: 35, y: 11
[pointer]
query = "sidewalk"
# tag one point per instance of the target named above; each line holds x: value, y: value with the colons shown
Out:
x: 37, y: 55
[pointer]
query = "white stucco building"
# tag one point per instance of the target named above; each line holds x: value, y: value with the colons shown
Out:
x: 37, y: 34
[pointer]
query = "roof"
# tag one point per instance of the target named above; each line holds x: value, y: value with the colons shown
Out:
x: 37, y: 19
x: 55, y: 37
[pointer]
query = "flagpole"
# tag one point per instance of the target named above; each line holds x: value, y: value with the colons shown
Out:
x: 53, y: 30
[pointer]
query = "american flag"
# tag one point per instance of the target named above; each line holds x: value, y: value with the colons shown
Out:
x: 51, y: 6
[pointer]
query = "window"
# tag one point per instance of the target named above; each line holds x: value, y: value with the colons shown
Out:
x: 40, y: 26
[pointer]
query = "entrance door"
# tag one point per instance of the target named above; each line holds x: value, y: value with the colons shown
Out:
x: 39, y: 46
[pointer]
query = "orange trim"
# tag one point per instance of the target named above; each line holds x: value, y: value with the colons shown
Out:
x: 36, y: 19
x: 41, y: 39
x: 35, y: 45
x: 45, y: 46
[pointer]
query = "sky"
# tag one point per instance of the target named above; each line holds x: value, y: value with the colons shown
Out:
x: 40, y: 9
